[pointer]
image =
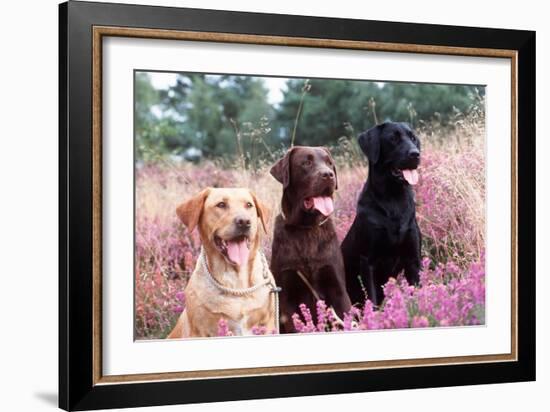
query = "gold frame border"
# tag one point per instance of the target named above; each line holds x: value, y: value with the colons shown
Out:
x: 101, y: 31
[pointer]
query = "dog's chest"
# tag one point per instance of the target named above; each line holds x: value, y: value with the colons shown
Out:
x: 397, y: 227
x: 238, y: 307
x: 392, y: 227
x: 317, y: 244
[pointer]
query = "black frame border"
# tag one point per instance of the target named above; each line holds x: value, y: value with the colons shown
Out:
x: 76, y: 387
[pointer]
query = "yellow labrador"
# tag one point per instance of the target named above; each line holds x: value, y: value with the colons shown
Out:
x: 231, y: 280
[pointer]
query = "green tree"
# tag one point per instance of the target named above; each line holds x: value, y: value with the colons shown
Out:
x: 199, y: 109
x: 333, y: 108
x: 228, y: 116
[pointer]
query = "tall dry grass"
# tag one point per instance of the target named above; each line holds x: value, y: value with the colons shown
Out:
x: 451, y: 193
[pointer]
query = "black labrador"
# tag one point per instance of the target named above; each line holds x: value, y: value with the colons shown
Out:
x: 384, y: 238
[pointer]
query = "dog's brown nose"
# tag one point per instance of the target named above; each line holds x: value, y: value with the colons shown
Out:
x: 242, y: 222
x: 327, y: 174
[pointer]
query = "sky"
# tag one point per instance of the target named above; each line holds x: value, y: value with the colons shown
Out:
x: 274, y: 85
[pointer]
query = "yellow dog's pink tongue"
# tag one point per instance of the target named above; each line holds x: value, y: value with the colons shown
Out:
x: 411, y: 176
x: 323, y: 204
x: 237, y: 251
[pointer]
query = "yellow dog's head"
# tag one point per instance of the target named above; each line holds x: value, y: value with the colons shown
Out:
x: 228, y: 220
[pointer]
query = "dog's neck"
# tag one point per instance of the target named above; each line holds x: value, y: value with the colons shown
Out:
x: 233, y: 276
x: 388, y: 196
x: 383, y: 186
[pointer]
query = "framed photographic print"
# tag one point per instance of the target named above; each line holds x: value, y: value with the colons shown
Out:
x: 257, y: 205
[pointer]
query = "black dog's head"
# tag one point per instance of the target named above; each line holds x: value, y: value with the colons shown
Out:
x: 392, y: 148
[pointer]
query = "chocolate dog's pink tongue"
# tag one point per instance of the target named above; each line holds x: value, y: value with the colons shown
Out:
x: 411, y: 176
x: 237, y: 251
x: 323, y: 204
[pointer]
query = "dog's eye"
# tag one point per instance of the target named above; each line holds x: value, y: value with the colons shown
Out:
x: 222, y: 205
x: 307, y: 163
x: 413, y: 137
x: 396, y: 138
x: 249, y: 205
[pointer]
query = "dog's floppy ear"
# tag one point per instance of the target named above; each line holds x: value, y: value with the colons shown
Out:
x: 263, y: 211
x: 281, y: 169
x: 190, y: 211
x: 333, y: 167
x: 369, y: 142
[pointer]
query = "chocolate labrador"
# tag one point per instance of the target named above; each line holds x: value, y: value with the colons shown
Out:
x: 306, y: 259
x: 384, y: 238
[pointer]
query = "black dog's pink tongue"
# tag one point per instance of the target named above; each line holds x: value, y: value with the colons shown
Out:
x: 238, y: 251
x: 411, y: 176
x: 323, y: 204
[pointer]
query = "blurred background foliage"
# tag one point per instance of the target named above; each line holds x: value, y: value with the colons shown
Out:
x: 198, y: 116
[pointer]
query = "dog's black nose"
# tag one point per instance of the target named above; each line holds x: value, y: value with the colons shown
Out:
x: 242, y: 222
x: 327, y: 174
x: 414, y: 154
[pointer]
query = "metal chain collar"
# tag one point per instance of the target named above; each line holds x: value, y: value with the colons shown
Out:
x: 247, y: 291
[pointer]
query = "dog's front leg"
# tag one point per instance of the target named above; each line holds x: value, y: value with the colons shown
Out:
x: 351, y: 256
x: 412, y: 269
x: 412, y: 262
x: 293, y: 293
x: 331, y: 288
x: 369, y: 283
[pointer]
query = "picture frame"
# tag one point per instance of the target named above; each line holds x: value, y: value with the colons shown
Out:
x: 83, y: 27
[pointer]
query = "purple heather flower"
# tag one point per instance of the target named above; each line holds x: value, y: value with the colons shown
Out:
x: 180, y: 296
x: 223, y: 328
x: 420, y: 322
x: 321, y: 315
x: 259, y: 330
x: 299, y: 326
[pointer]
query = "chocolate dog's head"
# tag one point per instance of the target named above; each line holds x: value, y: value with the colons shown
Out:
x: 308, y: 175
x: 392, y: 149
